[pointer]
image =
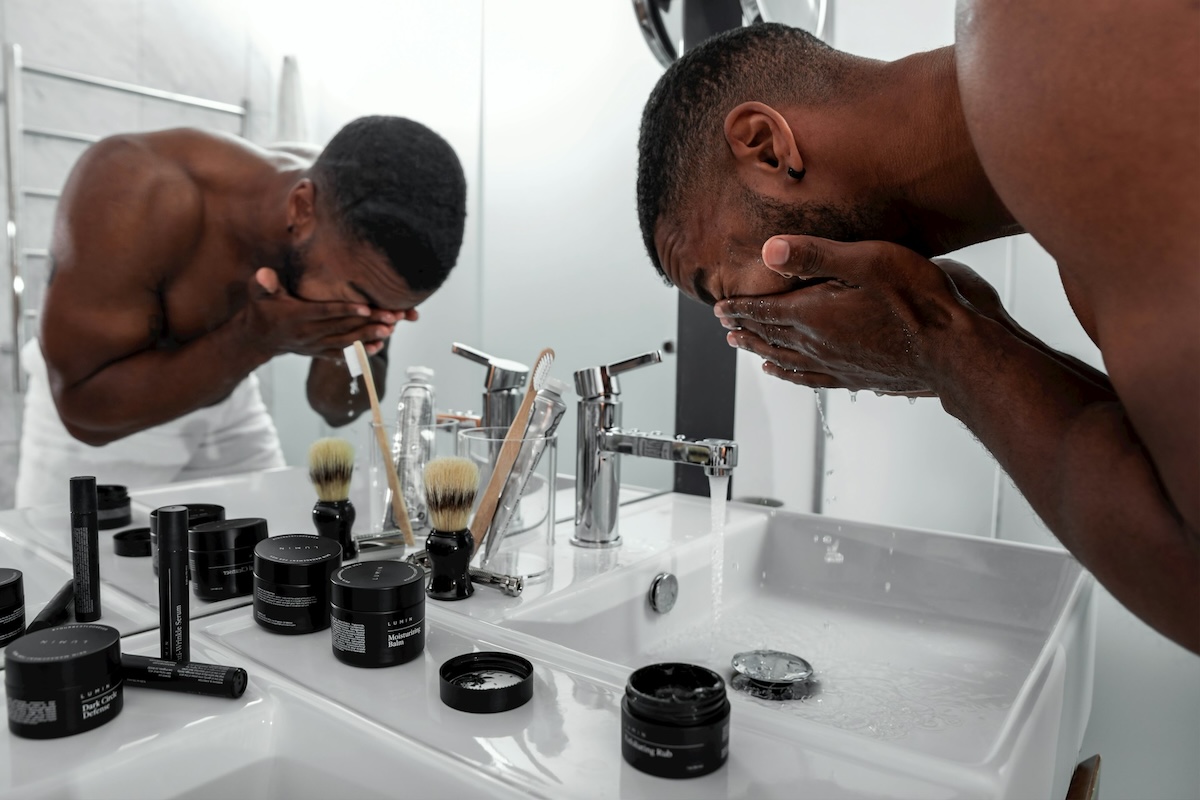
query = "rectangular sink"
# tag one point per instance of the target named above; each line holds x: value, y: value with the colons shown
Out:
x: 929, y: 646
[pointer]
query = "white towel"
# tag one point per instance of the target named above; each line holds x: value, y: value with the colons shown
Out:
x: 235, y: 435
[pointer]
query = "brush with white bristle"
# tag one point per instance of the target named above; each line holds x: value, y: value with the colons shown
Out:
x: 450, y: 487
x: 330, y: 468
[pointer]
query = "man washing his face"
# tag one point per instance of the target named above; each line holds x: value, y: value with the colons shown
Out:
x: 184, y: 260
x: 1076, y: 121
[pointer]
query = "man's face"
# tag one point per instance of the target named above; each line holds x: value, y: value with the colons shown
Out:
x: 714, y: 251
x: 330, y: 267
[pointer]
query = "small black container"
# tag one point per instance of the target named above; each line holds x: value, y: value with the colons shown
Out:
x: 198, y: 514
x: 221, y: 556
x: 675, y: 721
x: 291, y: 582
x: 112, y: 506
x: 12, y: 605
x: 378, y: 613
x: 64, y: 680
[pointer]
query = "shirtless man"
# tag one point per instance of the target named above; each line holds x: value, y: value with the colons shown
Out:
x: 184, y: 260
x: 1077, y: 121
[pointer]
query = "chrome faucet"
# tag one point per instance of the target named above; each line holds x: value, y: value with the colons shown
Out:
x: 601, y: 441
x: 503, y: 387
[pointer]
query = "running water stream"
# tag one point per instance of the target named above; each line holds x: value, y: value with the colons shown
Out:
x: 717, y: 489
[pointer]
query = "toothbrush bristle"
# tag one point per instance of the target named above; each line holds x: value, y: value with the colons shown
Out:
x: 541, y: 370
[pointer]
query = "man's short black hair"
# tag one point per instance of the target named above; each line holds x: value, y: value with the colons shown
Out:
x: 683, y: 123
x: 397, y: 186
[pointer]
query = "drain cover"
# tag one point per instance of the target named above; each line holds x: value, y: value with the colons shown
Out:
x: 772, y: 675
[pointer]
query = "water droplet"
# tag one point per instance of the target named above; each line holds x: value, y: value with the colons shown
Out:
x: 826, y: 539
x: 912, y: 401
x: 854, y: 397
x: 887, y: 586
x: 354, y: 386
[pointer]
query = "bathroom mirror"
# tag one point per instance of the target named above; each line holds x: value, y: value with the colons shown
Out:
x: 672, y: 27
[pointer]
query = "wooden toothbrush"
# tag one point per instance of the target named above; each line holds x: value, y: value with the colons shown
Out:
x: 509, y: 450
x: 398, y: 509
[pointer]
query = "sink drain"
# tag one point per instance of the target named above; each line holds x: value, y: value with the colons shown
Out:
x: 772, y: 675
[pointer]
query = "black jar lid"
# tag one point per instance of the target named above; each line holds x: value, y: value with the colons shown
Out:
x: 198, y: 514
x: 134, y: 542
x: 377, y: 586
x: 227, y: 534
x: 486, y: 683
x: 299, y: 559
x: 54, y: 659
x: 110, y: 496
x: 12, y: 588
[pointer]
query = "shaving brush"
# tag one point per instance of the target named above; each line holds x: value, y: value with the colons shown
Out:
x: 450, y: 486
x: 330, y: 468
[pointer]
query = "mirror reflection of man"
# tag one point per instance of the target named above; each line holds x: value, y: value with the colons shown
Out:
x: 183, y: 260
x: 1076, y: 121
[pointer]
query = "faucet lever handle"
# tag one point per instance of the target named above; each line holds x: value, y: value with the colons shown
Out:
x: 602, y: 380
x: 502, y: 373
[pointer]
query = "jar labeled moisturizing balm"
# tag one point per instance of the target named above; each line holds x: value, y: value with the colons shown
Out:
x: 377, y: 613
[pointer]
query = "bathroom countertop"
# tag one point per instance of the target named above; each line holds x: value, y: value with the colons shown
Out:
x: 310, y: 726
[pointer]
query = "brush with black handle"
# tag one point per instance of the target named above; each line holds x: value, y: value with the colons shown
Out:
x: 330, y: 468
x: 450, y: 486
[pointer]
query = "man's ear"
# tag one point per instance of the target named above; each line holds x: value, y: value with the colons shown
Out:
x: 302, y: 210
x: 762, y: 143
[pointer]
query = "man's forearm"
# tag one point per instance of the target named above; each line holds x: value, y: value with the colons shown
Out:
x: 156, y: 386
x: 1069, y: 446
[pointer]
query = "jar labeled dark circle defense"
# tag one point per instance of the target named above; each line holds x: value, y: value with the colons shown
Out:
x: 63, y: 680
x: 377, y: 611
x: 291, y: 582
x: 12, y: 605
x: 675, y: 721
x: 221, y: 556
x: 198, y: 514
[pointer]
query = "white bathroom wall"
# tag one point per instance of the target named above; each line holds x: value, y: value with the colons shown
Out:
x: 563, y: 261
x: 914, y: 465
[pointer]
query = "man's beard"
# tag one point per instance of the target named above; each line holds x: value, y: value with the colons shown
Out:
x: 843, y: 223
x: 291, y: 269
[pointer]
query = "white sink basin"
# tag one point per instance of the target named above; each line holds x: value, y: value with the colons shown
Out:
x: 931, y: 646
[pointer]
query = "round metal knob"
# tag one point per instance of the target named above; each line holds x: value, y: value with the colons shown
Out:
x: 664, y: 591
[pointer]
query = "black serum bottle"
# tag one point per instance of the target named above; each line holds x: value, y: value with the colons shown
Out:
x: 85, y: 555
x: 174, y: 636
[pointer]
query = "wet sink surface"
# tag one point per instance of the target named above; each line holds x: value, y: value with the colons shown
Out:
x: 933, y: 644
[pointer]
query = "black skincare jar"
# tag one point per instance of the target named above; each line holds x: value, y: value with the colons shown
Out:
x: 198, y: 514
x: 61, y: 681
x: 291, y: 582
x: 378, y: 613
x: 12, y: 605
x: 221, y: 556
x: 675, y: 721
x: 112, y: 506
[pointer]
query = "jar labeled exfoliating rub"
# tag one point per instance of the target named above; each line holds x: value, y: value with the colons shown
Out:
x: 378, y: 613
x: 61, y: 681
x: 675, y: 721
x: 291, y: 582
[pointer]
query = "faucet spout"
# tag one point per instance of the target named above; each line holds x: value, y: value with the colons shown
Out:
x: 718, y: 457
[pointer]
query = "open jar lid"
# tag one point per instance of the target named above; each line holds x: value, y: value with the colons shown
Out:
x: 486, y: 683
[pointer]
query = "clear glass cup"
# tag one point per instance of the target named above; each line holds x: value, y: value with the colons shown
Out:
x: 525, y: 513
x: 409, y: 458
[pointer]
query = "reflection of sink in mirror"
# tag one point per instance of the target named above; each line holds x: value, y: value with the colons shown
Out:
x: 938, y: 644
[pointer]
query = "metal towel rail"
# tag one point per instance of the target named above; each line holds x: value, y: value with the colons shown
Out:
x: 15, y: 130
